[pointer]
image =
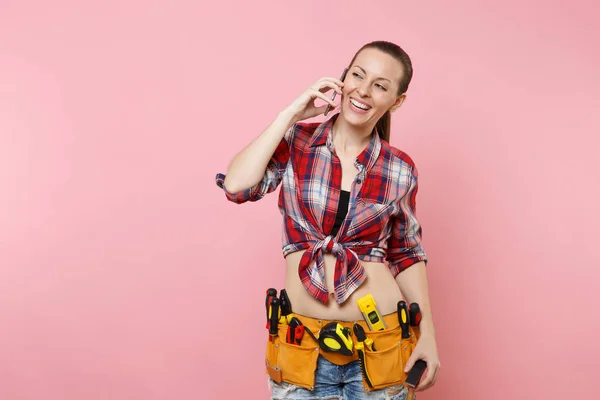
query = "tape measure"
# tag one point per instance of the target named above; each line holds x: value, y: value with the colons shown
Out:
x: 334, y: 338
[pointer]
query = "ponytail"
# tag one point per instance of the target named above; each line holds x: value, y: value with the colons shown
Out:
x: 383, y: 126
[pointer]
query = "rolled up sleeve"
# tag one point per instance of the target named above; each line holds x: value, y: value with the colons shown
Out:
x: 404, y: 244
x: 270, y: 180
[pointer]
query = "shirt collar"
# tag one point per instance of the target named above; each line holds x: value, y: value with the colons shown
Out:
x: 323, y: 135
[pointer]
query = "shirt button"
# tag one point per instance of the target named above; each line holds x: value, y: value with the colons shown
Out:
x: 359, y: 181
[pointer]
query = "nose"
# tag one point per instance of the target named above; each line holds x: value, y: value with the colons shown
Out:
x: 363, y: 89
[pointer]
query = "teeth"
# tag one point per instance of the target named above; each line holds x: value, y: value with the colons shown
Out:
x: 359, y: 105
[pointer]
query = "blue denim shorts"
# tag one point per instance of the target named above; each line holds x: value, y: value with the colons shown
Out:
x: 336, y: 382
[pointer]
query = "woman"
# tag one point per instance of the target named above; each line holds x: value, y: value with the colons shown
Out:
x: 349, y: 230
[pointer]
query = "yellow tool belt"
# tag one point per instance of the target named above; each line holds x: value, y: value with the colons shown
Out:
x: 296, y: 364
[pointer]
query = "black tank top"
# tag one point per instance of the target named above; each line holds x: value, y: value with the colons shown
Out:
x: 341, y: 211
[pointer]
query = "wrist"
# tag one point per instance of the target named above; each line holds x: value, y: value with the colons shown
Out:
x: 426, y: 327
x: 288, y: 116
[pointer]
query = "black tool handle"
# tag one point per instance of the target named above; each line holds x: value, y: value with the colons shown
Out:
x: 403, y: 319
x: 291, y: 333
x: 415, y: 373
x: 271, y: 294
x: 284, y: 303
x: 295, y: 322
x: 363, y: 367
x: 274, y: 317
x: 415, y: 314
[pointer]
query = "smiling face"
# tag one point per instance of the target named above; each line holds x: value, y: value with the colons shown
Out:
x: 371, y: 87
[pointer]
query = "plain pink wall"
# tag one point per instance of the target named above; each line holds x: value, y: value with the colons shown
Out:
x: 125, y: 274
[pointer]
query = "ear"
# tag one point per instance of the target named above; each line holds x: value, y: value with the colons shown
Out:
x: 398, y: 102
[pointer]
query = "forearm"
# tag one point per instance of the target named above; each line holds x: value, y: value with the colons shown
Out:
x: 413, y: 284
x: 247, y: 168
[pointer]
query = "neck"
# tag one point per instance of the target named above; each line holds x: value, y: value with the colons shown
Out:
x: 349, y: 139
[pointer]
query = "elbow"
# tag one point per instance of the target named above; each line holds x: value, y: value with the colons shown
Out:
x: 235, y: 184
x: 232, y: 185
x: 237, y: 195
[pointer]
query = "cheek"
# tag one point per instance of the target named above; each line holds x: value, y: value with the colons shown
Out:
x: 349, y: 87
x: 383, y: 101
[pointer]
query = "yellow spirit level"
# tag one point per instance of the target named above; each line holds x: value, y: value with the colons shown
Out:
x: 368, y: 308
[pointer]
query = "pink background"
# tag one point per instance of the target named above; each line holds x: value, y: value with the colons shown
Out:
x: 125, y: 274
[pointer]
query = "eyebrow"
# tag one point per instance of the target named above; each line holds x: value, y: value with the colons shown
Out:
x: 362, y: 69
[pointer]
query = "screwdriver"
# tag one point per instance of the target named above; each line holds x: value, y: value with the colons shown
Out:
x: 271, y: 294
x: 415, y: 314
x: 274, y: 316
x: 403, y: 319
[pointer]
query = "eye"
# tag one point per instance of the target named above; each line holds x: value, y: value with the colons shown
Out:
x: 357, y: 75
x: 381, y: 87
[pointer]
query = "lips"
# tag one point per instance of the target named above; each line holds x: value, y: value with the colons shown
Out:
x: 360, y: 104
x: 355, y: 109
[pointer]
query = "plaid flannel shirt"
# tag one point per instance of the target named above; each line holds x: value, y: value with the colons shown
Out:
x: 381, y: 223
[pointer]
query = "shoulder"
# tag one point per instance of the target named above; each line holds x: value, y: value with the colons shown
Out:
x: 308, y: 127
x: 398, y: 156
x: 300, y: 133
x: 403, y: 170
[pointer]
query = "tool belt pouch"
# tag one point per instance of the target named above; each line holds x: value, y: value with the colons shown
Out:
x: 295, y: 364
x: 385, y: 366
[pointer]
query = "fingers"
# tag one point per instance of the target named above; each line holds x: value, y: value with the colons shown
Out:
x: 425, y: 383
x: 435, y: 376
x: 326, y: 84
x: 332, y: 79
x: 411, y: 361
x: 326, y: 89
x: 320, y: 95
x: 430, y: 378
x: 318, y: 90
